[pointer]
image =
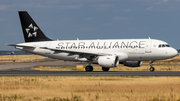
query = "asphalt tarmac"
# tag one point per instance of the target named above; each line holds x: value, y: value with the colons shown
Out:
x: 84, y: 73
x: 23, y: 69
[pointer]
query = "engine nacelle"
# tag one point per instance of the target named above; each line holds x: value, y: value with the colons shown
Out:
x: 108, y: 61
x: 133, y: 63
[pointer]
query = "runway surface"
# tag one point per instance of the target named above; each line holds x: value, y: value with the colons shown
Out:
x: 23, y: 69
x: 84, y: 73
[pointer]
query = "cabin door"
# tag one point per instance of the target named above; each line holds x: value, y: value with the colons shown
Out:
x: 148, y: 47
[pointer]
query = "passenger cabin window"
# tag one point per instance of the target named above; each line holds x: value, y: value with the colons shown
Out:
x: 159, y: 46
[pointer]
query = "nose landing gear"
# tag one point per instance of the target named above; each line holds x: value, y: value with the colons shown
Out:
x: 151, y: 66
x: 152, y: 69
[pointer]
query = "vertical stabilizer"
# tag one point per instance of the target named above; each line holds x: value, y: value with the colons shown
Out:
x: 31, y: 31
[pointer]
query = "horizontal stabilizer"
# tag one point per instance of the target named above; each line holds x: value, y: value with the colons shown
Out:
x: 19, y: 45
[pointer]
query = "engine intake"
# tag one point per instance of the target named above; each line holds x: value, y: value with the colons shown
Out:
x: 108, y: 61
x: 133, y: 63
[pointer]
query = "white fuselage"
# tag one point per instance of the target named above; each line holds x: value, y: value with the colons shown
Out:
x: 126, y: 49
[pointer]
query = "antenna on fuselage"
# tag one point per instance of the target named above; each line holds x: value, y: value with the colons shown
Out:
x: 149, y: 37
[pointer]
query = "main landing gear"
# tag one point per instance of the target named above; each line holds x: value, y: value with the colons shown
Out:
x: 89, y: 68
x: 151, y: 66
x: 105, y: 69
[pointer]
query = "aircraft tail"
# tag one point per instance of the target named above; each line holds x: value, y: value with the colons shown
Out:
x: 31, y: 31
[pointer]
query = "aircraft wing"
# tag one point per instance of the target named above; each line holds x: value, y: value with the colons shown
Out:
x: 76, y: 52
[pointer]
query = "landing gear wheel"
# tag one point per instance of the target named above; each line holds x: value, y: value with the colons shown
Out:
x: 151, y: 65
x: 152, y: 69
x: 89, y: 68
x: 105, y: 69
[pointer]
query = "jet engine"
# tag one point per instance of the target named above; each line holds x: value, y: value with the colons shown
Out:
x: 108, y: 61
x: 133, y: 63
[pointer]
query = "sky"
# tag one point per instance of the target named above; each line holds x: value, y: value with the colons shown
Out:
x: 93, y: 19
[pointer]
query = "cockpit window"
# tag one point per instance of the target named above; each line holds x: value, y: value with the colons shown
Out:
x: 167, y: 46
x: 163, y: 45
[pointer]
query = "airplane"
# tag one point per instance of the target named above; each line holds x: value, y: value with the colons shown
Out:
x: 107, y: 53
x: 12, y: 53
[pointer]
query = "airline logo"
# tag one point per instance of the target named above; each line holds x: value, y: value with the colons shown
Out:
x: 31, y: 31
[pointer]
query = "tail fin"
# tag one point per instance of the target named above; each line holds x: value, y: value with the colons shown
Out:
x: 31, y: 31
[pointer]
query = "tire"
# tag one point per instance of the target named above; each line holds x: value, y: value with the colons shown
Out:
x: 152, y: 69
x: 105, y: 69
x: 89, y: 68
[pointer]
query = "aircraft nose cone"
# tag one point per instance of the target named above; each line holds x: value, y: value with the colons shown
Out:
x: 173, y: 52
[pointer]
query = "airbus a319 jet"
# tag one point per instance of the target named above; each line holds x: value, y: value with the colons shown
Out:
x: 106, y: 53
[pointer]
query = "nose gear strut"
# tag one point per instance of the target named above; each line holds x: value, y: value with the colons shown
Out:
x: 151, y: 66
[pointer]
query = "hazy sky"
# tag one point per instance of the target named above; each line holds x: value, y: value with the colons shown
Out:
x: 93, y: 19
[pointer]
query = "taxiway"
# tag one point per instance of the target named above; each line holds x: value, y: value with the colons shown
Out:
x: 22, y: 69
x: 84, y: 73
